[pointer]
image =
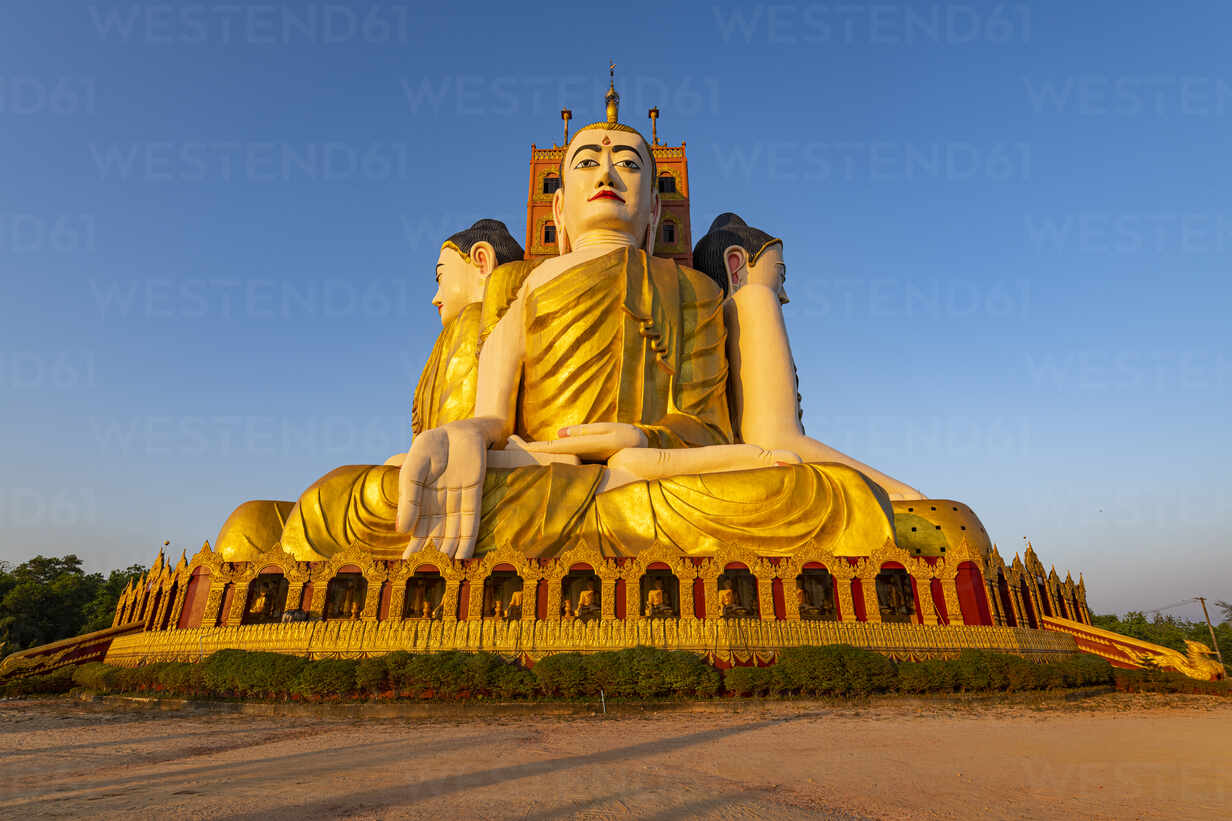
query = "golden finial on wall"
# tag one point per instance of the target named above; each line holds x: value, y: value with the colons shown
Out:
x: 654, y: 125
x: 566, y: 115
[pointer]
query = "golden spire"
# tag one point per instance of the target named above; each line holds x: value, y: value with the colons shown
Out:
x: 612, y: 98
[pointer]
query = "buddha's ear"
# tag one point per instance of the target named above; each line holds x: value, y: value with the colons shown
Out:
x: 558, y: 215
x: 483, y: 255
x: 735, y: 259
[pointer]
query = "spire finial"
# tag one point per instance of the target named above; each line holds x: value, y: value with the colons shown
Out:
x: 612, y: 99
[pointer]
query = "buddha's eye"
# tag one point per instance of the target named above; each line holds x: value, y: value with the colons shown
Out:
x: 586, y: 163
x: 630, y: 164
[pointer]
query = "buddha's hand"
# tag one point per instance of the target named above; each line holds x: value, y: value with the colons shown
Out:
x: 595, y: 442
x: 440, y: 489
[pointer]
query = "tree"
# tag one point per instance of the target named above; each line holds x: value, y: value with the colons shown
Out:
x: 1226, y: 607
x: 47, y: 599
x: 100, y: 612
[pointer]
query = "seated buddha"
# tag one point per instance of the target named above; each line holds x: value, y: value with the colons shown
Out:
x: 589, y: 361
x: 602, y: 350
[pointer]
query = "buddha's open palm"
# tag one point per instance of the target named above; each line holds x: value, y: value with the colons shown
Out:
x: 440, y: 489
x: 596, y: 441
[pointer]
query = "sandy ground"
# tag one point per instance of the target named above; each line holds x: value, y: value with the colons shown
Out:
x: 1114, y: 756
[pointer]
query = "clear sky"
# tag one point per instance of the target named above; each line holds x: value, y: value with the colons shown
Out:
x: 1007, y: 229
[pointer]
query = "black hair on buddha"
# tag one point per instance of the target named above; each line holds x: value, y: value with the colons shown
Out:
x: 487, y: 230
x: 728, y: 230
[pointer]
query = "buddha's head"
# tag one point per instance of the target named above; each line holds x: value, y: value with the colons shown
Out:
x: 466, y: 260
x: 734, y: 254
x: 608, y: 184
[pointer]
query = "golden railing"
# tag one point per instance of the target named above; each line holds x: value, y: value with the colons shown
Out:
x: 724, y: 641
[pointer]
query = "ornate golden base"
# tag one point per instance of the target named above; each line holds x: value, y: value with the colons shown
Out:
x: 726, y: 642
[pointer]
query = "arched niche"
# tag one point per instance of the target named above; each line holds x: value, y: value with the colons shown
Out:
x: 736, y: 588
x: 659, y: 593
x: 814, y: 597
x: 581, y: 593
x: 425, y: 591
x: 267, y: 597
x: 502, y: 593
x: 895, y: 594
x: 345, y: 594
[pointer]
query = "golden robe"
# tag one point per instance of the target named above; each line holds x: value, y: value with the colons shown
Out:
x: 617, y: 339
x: 446, y: 389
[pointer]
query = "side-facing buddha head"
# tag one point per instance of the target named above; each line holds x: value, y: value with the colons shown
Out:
x: 466, y: 260
x: 607, y: 188
x: 734, y: 254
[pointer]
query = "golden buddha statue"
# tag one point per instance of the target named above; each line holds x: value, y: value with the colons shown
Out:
x: 607, y: 349
x: 615, y: 361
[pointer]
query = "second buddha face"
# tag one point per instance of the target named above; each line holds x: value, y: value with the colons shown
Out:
x: 459, y: 283
x: 770, y: 270
x: 607, y: 184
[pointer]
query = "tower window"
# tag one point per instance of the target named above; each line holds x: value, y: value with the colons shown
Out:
x: 667, y: 184
x: 669, y: 233
x: 551, y: 184
x: 549, y: 234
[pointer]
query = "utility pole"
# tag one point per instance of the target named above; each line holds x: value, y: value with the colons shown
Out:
x: 1214, y: 643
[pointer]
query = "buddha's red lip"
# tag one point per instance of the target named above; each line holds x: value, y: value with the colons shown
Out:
x: 606, y: 195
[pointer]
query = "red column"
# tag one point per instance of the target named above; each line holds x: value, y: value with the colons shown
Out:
x: 857, y: 600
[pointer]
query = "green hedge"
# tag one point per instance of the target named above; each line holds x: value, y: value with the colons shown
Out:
x: 636, y: 673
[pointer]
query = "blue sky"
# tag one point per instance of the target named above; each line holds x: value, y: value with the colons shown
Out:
x: 1007, y: 229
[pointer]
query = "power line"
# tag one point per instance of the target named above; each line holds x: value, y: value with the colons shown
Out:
x: 1170, y: 606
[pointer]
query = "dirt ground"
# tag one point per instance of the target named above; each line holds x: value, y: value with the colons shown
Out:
x: 1112, y: 756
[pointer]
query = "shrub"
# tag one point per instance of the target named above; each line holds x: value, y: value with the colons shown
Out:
x: 96, y: 676
x: 251, y: 674
x: 750, y: 681
x: 372, y: 675
x: 326, y: 678
x: 563, y: 675
x: 927, y: 677
x: 836, y: 669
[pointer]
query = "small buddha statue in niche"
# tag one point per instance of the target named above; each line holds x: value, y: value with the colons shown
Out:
x: 514, y: 610
x: 497, y: 610
x: 806, y: 606
x: 426, y: 610
x: 355, y: 610
x: 567, y: 610
x: 656, y: 603
x: 586, y: 607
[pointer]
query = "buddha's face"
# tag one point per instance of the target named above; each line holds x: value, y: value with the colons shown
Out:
x: 771, y: 271
x: 459, y: 283
x: 607, y: 184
